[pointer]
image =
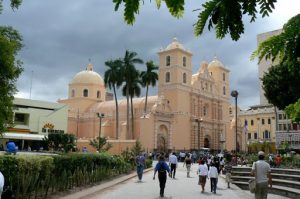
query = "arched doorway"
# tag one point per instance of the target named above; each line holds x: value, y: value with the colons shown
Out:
x: 162, y: 139
x: 206, y: 143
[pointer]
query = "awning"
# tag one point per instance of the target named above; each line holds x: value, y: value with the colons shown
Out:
x: 22, y: 136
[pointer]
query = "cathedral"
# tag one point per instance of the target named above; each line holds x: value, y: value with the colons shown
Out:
x: 190, y: 111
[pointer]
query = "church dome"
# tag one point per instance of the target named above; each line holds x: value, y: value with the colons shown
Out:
x: 175, y: 44
x: 87, y: 76
x: 215, y: 64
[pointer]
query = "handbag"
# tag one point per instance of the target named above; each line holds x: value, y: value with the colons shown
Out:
x: 252, y: 183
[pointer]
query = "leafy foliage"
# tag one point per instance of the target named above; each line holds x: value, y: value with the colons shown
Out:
x: 14, y: 4
x: 60, y: 141
x: 224, y: 15
x: 281, y: 82
x: 281, y: 86
x: 39, y: 176
x: 101, y: 144
x: 10, y: 70
x: 137, y: 148
x: 293, y: 111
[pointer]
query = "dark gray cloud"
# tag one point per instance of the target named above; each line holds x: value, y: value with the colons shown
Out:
x: 60, y: 37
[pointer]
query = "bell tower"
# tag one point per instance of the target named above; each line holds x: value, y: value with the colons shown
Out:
x: 175, y: 75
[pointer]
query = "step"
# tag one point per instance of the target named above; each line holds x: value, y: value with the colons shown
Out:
x: 278, y: 190
x: 286, y: 176
x: 279, y: 182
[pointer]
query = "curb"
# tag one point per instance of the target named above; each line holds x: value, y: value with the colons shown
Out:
x: 98, y: 188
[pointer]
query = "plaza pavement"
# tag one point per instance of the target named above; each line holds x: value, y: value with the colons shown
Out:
x: 179, y: 188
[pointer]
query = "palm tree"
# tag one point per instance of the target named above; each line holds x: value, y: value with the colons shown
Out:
x: 134, y: 90
x: 112, y: 80
x: 149, y: 77
x: 129, y: 62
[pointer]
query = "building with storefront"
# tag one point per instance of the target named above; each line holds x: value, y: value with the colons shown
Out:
x: 33, y: 120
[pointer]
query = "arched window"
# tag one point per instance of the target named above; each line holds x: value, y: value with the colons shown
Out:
x: 167, y: 76
x: 223, y: 76
x: 168, y: 60
x: 73, y: 93
x: 184, y: 61
x: 85, y: 93
x: 98, y: 94
x: 224, y: 90
x: 184, y: 78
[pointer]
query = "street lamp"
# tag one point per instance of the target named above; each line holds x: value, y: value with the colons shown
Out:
x: 100, y: 115
x: 235, y: 94
x: 199, y: 121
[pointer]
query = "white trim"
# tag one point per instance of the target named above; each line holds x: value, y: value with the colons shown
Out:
x: 23, y: 136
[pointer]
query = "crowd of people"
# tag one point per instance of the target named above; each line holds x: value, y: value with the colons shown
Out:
x: 209, y: 168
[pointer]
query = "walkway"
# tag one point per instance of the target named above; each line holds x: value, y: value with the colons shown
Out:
x: 179, y: 188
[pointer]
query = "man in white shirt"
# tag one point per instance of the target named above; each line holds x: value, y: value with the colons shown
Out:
x: 262, y: 172
x: 173, y: 162
x: 1, y: 183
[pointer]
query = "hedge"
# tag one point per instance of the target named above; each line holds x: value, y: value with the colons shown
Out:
x: 37, y: 176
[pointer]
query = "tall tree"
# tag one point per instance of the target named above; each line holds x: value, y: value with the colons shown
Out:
x: 100, y: 144
x: 134, y: 90
x: 129, y: 61
x: 112, y: 80
x: 149, y: 77
x: 226, y: 16
x: 10, y: 69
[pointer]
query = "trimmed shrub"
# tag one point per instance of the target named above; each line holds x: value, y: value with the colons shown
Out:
x: 36, y: 176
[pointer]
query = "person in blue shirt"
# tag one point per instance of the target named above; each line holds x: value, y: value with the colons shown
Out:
x: 11, y: 147
x: 140, y: 164
x: 162, y: 168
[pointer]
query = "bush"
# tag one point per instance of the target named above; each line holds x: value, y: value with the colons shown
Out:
x: 35, y: 176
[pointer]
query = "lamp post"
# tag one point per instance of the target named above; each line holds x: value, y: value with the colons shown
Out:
x: 199, y: 121
x: 100, y: 115
x: 235, y: 94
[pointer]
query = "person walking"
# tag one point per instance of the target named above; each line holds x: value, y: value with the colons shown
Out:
x: 262, y: 172
x: 173, y: 163
x: 140, y: 164
x: 162, y: 168
x: 188, y: 163
x: 228, y: 169
x: 213, y: 176
x: 202, y: 172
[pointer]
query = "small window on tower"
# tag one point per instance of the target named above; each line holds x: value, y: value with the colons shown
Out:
x: 168, y: 77
x: 98, y: 94
x: 223, y: 76
x: 184, y: 61
x: 224, y: 90
x: 168, y: 60
x: 184, y: 78
x: 85, y: 93
x: 73, y: 93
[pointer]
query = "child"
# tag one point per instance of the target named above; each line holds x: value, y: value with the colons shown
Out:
x: 213, y: 175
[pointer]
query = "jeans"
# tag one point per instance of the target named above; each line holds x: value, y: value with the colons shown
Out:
x: 261, y: 191
x: 213, y: 184
x: 162, y: 177
x: 173, y: 170
x: 140, y: 170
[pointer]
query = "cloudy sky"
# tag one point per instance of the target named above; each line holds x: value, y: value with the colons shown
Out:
x: 61, y: 36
